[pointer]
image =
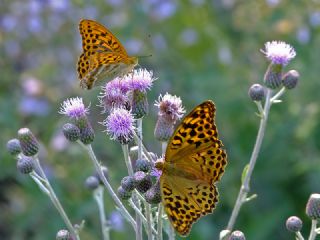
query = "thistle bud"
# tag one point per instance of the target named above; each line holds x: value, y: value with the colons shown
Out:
x: 237, y: 235
x: 290, y: 79
x: 63, y: 234
x: 313, y: 206
x: 272, y: 77
x: 87, y: 134
x: 153, y: 195
x: 13, y: 146
x: 28, y: 142
x: 256, y: 92
x: 92, y: 182
x: 142, y: 181
x: 25, y: 164
x: 294, y: 224
x: 105, y: 172
x: 127, y: 183
x: 139, y: 104
x: 71, y: 132
x: 142, y: 165
x: 124, y: 194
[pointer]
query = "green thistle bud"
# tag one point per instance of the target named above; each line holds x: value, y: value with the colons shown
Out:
x: 237, y: 235
x: 92, y: 182
x: 124, y: 194
x: 313, y: 206
x: 142, y: 181
x: 142, y: 165
x: 105, y: 171
x: 25, y: 164
x: 290, y: 79
x: 87, y: 134
x: 127, y: 183
x: 272, y: 77
x: 153, y: 195
x: 71, y: 132
x: 13, y: 146
x: 256, y: 92
x: 294, y: 224
x: 164, y: 129
x: 28, y: 142
x: 63, y: 234
x: 139, y: 105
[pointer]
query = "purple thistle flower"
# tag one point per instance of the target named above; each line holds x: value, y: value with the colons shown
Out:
x: 74, y: 108
x: 170, y: 107
x: 114, y: 95
x: 119, y: 125
x: 279, y: 52
x: 140, y: 80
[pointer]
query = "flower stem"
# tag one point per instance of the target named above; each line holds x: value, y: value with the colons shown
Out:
x: 299, y: 236
x: 98, y: 196
x: 115, y: 198
x: 53, y: 197
x: 159, y: 225
x: 125, y: 150
x: 245, y: 187
x: 313, y: 232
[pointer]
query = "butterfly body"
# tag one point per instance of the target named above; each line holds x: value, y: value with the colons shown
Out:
x: 103, y: 57
x: 193, y: 163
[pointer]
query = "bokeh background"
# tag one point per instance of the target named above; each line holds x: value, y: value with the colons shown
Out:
x: 200, y: 50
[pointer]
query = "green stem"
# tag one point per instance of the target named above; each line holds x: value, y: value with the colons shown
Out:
x: 98, y: 196
x: 114, y: 196
x: 245, y: 187
x: 159, y: 220
x: 125, y: 150
x: 313, y: 232
x: 53, y: 197
x: 299, y: 236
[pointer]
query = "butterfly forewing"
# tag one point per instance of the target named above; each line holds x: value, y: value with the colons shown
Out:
x: 194, y: 161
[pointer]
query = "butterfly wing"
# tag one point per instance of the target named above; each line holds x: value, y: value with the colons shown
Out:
x: 97, y: 38
x: 185, y: 201
x: 194, y: 161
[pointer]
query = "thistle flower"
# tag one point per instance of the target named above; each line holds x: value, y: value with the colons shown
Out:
x: 119, y: 125
x: 313, y: 206
x: 28, y: 142
x: 294, y: 224
x: 290, y: 79
x: 13, y: 146
x: 63, y: 234
x: 139, y: 82
x: 278, y: 52
x: 114, y: 95
x: 170, y: 110
x: 76, y: 110
x: 25, y: 164
x: 256, y: 92
x: 92, y: 182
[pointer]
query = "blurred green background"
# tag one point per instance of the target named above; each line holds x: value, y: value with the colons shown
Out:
x: 200, y: 50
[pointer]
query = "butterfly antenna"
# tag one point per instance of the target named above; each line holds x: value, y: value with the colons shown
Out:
x: 145, y: 56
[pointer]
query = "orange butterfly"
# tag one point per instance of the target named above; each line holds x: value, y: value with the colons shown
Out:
x: 194, y: 162
x: 103, y: 57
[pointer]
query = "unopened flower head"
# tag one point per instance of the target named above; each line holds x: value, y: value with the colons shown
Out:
x: 140, y: 80
x: 74, y: 108
x: 279, y: 52
x: 170, y: 106
x: 114, y: 95
x: 119, y: 125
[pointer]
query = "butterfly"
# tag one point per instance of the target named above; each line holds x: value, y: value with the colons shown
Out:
x: 103, y: 57
x: 194, y: 161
